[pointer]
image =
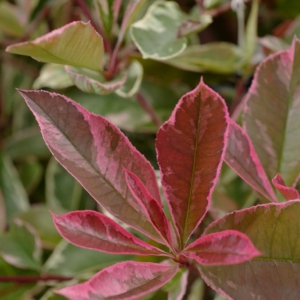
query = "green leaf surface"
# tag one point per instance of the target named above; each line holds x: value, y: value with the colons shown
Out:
x: 176, y: 287
x: 53, y: 76
x: 64, y: 260
x: 273, y: 43
x: 15, y: 291
x: 133, y: 80
x: 90, y: 81
x: 31, y: 173
x: 21, y: 247
x: 271, y: 115
x: 10, y: 21
x: 218, y: 57
x: 14, y: 194
x: 76, y: 44
x: 274, y: 230
x: 156, y: 34
x: 40, y: 219
x: 63, y: 192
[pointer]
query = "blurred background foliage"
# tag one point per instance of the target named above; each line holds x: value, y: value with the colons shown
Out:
x: 225, y: 49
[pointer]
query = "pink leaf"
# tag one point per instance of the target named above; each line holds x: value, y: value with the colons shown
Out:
x: 242, y: 158
x: 272, y: 110
x: 153, y: 208
x: 222, y: 248
x: 93, y: 150
x: 123, y: 281
x: 92, y: 230
x: 190, y: 150
x: 289, y: 193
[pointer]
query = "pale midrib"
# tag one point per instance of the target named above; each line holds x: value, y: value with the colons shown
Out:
x: 184, y: 238
x: 87, y: 161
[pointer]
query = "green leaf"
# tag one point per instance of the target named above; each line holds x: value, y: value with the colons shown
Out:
x: 274, y: 230
x: 10, y: 21
x: 53, y: 76
x: 176, y: 287
x: 76, y: 44
x: 21, y: 247
x: 63, y: 192
x: 251, y: 32
x: 91, y: 81
x: 64, y: 260
x: 156, y: 34
x: 31, y: 173
x: 133, y: 81
x: 271, y: 115
x: 14, y: 195
x: 273, y: 43
x: 219, y: 57
x: 40, y: 219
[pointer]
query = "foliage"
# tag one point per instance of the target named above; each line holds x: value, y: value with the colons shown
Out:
x: 195, y: 229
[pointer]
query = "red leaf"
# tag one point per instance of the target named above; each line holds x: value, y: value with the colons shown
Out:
x: 289, y: 193
x: 123, y: 281
x: 153, y: 209
x: 93, y: 150
x: 242, y: 158
x: 190, y: 149
x: 222, y: 248
x: 92, y: 230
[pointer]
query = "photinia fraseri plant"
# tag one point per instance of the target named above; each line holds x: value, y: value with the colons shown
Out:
x: 190, y: 150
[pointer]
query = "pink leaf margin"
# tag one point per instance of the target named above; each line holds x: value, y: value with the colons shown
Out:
x: 289, y: 193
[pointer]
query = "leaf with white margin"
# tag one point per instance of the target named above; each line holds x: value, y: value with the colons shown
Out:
x: 76, y: 44
x: 274, y: 229
x: 122, y: 281
x: 93, y: 150
x: 272, y: 113
x: 91, y: 81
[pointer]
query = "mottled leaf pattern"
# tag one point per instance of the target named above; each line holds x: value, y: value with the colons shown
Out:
x: 93, y: 150
x: 123, y: 281
x: 190, y: 152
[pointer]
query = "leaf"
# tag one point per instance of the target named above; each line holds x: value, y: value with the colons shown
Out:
x: 94, y: 151
x: 271, y: 116
x: 9, y: 21
x: 2, y: 213
x: 273, y: 43
x: 21, y: 247
x: 131, y: 280
x: 274, y: 230
x: 190, y: 152
x: 251, y: 32
x: 64, y: 260
x: 39, y: 218
x: 242, y: 158
x: 289, y: 193
x: 221, y: 58
x: 176, y: 287
x: 13, y: 192
x: 222, y: 248
x: 156, y: 34
x: 53, y: 76
x: 133, y: 81
x: 91, y: 230
x: 152, y: 207
x: 91, y: 81
x: 76, y: 44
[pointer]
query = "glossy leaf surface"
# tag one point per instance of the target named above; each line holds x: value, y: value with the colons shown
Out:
x: 274, y: 231
x: 127, y: 281
x: 190, y: 152
x: 91, y: 81
x: 94, y: 151
x: 152, y: 207
x: 242, y: 158
x: 289, y: 193
x: 222, y: 248
x: 271, y: 115
x: 21, y: 246
x: 92, y: 230
x: 76, y: 44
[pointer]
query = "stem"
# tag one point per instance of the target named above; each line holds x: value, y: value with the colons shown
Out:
x: 28, y: 279
x: 223, y: 8
x: 149, y: 109
x: 86, y: 11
